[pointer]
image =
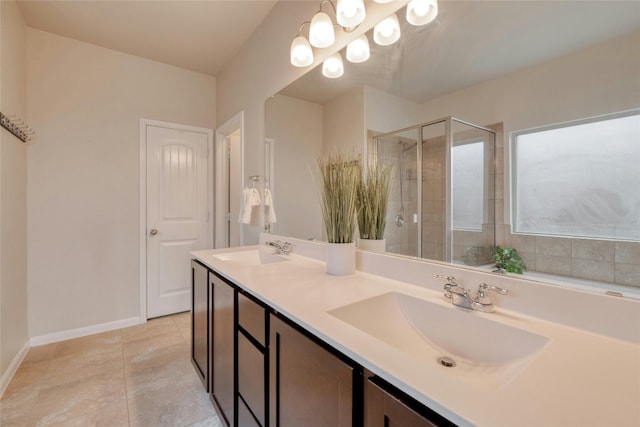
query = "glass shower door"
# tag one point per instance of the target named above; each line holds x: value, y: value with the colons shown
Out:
x: 401, y: 150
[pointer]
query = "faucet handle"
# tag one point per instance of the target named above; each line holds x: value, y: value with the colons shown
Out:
x: 485, y: 287
x: 449, y: 279
x: 450, y: 286
x: 483, y: 300
x: 287, y: 247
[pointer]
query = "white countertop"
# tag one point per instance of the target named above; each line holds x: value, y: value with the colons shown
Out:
x: 580, y: 378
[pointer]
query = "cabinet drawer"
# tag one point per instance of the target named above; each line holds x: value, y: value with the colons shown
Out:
x: 251, y: 377
x: 251, y: 316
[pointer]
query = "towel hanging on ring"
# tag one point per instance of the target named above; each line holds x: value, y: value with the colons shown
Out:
x: 250, y: 198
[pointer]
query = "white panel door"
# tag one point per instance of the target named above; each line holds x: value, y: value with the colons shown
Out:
x: 176, y: 215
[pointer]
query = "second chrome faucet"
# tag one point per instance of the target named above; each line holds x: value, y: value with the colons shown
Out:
x: 281, y: 248
x: 459, y: 296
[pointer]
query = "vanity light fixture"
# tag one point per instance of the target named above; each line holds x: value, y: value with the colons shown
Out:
x: 387, y: 31
x: 333, y: 67
x: 358, y: 49
x: 350, y: 13
x: 422, y: 12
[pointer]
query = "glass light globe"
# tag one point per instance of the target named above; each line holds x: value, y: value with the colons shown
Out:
x: 301, y: 52
x: 387, y: 31
x: 422, y: 12
x: 321, y: 32
x: 358, y: 50
x: 333, y: 67
x: 350, y: 13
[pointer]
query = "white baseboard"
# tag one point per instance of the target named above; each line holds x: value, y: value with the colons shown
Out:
x: 83, y: 332
x: 13, y: 368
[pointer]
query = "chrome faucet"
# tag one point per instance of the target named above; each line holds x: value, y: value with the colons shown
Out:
x: 459, y: 296
x: 281, y: 248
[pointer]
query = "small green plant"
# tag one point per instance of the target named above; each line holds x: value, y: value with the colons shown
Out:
x: 338, y: 183
x: 373, y: 197
x: 507, y: 259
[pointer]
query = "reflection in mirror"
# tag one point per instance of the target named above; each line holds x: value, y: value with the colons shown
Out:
x: 447, y: 214
x: 508, y: 66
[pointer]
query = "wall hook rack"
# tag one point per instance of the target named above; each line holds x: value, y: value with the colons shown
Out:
x: 17, y: 127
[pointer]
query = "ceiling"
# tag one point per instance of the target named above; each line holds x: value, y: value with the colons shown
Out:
x: 475, y: 41
x: 202, y: 36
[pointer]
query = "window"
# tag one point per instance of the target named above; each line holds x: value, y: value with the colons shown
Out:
x: 579, y: 179
x: 467, y: 196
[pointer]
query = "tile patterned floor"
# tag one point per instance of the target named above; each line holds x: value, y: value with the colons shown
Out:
x: 137, y: 376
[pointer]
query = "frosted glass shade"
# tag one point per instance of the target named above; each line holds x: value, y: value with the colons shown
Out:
x: 358, y: 50
x: 383, y: 1
x: 387, y: 31
x: 301, y: 52
x: 350, y: 13
x: 422, y: 12
x: 321, y: 33
x: 333, y: 67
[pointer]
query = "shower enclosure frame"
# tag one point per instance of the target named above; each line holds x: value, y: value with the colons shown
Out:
x: 448, y: 215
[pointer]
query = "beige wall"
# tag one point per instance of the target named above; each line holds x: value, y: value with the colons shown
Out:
x: 85, y: 102
x: 13, y: 182
x: 343, y: 126
x: 296, y: 128
x: 385, y: 112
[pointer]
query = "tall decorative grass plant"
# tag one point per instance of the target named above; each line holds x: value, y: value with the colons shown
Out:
x: 340, y: 176
x: 373, y: 198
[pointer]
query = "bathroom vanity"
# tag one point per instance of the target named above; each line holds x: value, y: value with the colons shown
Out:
x: 278, y: 342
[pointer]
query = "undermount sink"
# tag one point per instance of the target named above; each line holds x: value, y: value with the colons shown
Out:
x: 485, y: 352
x: 251, y: 257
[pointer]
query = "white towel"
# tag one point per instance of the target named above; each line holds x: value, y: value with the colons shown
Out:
x: 250, y: 198
x: 270, y: 213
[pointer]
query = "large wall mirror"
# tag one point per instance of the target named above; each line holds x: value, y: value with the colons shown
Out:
x: 513, y: 68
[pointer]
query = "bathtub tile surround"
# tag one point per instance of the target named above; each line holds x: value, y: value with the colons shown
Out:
x: 137, y: 376
x: 597, y: 260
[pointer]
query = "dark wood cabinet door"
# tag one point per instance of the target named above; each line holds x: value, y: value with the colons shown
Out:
x: 200, y: 321
x: 245, y: 419
x: 223, y: 354
x: 309, y: 385
x: 383, y: 409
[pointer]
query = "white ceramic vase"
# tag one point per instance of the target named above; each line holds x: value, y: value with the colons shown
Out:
x: 372, y: 245
x: 341, y: 258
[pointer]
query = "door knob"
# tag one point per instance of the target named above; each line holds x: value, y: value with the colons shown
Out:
x: 153, y: 231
